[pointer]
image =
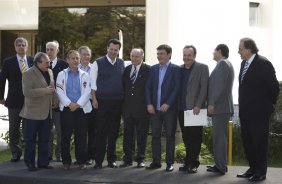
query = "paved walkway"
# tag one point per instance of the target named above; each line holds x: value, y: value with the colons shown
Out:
x: 4, y: 126
x: 16, y: 173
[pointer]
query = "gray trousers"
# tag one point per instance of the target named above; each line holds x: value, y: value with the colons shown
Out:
x: 56, y: 121
x: 220, y: 138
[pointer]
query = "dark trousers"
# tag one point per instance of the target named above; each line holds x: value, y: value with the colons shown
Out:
x: 255, y: 133
x: 108, y: 117
x: 169, y: 119
x: 14, y: 131
x: 135, y: 127
x: 74, y: 122
x: 192, y: 138
x: 91, y: 135
x: 36, y: 129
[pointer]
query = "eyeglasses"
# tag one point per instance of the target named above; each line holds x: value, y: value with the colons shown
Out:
x: 21, y: 45
x: 49, y: 49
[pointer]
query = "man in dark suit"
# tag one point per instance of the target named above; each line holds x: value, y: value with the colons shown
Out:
x: 134, y: 109
x: 258, y: 91
x: 57, y: 65
x: 162, y: 90
x: 193, y: 96
x: 220, y: 106
x: 12, y: 70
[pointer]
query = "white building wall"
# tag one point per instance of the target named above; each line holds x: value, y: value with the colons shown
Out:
x: 205, y: 24
x: 19, y: 14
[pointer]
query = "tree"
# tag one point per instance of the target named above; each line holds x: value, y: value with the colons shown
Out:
x: 92, y: 28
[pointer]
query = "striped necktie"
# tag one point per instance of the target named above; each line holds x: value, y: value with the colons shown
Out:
x: 23, y: 65
x: 133, y: 75
x: 244, y: 70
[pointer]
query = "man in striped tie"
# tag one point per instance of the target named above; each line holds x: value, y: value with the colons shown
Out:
x: 12, y: 70
x: 136, y: 118
x: 258, y: 91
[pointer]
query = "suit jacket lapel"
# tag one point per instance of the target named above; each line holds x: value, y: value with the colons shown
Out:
x: 140, y: 73
x: 193, y: 72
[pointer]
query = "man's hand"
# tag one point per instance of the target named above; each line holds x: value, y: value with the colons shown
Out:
x: 151, y: 109
x: 95, y: 103
x: 210, y: 109
x: 164, y: 107
x: 50, y: 90
x: 196, y: 110
x: 2, y: 101
x: 73, y: 106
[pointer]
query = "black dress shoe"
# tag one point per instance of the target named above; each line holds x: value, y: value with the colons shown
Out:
x: 215, y: 170
x: 112, y: 165
x: 154, y: 165
x: 184, y: 167
x: 246, y: 174
x: 192, y: 170
x: 45, y: 167
x: 31, y: 167
x: 169, y: 168
x: 125, y: 164
x: 257, y: 177
x: 58, y: 159
x: 89, y: 162
x: 140, y: 165
x: 97, y: 166
x: 16, y: 158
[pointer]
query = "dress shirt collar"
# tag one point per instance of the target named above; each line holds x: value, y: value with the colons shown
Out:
x: 165, y: 65
x: 54, y: 62
x: 250, y: 60
x: 19, y: 57
x: 111, y: 61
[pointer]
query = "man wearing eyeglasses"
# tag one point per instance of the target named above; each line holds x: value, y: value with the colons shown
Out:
x: 57, y: 65
x: 12, y: 70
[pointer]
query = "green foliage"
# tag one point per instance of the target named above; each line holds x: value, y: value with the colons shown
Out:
x: 93, y: 28
x: 276, y: 118
x: 205, y: 155
x: 275, y: 142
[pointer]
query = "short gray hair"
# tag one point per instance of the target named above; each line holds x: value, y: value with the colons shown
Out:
x: 38, y: 57
x: 21, y: 40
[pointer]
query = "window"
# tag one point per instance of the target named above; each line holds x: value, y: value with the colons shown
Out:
x: 253, y: 14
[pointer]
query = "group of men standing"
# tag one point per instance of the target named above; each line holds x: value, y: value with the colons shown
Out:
x: 92, y: 98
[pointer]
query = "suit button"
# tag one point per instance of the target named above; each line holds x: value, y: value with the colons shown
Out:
x: 132, y: 94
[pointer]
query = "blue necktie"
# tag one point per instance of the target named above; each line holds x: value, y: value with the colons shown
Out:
x: 133, y: 75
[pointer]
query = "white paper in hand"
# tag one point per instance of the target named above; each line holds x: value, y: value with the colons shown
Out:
x: 195, y: 120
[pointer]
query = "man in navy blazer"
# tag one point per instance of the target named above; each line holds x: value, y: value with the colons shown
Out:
x: 162, y: 90
x: 135, y: 115
x: 258, y: 91
x: 57, y: 65
x: 12, y: 70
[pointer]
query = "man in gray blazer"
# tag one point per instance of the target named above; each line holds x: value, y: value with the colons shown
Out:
x: 220, y: 106
x: 38, y: 90
x: 193, y: 95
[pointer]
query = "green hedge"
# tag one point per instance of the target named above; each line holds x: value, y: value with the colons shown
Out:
x: 275, y: 142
